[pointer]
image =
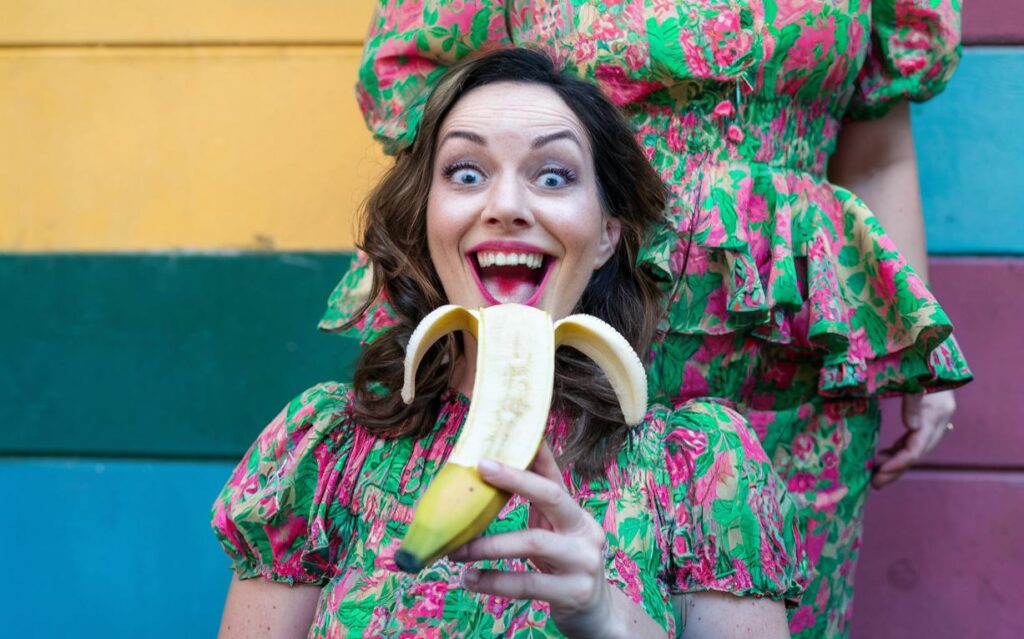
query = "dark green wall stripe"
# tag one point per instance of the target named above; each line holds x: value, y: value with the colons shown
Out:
x: 166, y: 355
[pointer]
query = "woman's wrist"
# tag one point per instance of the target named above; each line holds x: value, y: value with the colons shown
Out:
x: 624, y: 619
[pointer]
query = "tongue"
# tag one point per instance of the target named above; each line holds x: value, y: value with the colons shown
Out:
x: 510, y: 284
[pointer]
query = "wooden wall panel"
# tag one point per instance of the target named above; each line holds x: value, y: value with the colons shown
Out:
x: 60, y: 22
x: 257, y: 148
x: 993, y: 22
x: 969, y: 149
x: 200, y: 148
x: 985, y: 299
x: 136, y: 333
x: 119, y: 21
x: 111, y: 548
x: 941, y: 558
x: 159, y: 355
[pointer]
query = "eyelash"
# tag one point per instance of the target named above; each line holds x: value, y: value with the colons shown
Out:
x: 451, y: 169
x: 565, y: 173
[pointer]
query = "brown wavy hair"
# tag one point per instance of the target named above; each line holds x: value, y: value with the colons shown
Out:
x: 394, y: 232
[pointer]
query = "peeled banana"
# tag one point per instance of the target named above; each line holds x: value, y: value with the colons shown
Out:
x: 515, y: 366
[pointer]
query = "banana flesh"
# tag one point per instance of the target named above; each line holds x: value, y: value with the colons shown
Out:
x: 509, y: 411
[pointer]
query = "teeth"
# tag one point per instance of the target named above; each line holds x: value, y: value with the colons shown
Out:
x: 500, y: 258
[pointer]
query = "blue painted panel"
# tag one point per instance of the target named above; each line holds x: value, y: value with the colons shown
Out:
x: 970, y: 145
x: 110, y: 549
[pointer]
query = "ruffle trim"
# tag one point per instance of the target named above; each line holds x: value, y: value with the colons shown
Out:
x: 828, y: 280
x: 913, y: 52
x: 348, y: 297
x: 772, y: 561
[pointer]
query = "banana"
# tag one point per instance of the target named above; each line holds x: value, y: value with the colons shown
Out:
x: 515, y: 368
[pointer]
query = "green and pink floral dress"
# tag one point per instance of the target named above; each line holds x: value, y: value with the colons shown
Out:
x: 691, y: 503
x: 783, y: 293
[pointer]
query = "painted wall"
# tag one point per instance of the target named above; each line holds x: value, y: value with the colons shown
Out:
x: 176, y: 197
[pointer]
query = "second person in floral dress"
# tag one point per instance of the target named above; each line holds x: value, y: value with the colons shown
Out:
x: 785, y: 296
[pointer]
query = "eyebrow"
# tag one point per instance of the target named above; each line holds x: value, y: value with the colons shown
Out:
x: 465, y: 135
x: 560, y: 135
x: 536, y: 144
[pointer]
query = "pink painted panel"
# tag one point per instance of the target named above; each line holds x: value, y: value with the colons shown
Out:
x: 985, y: 299
x: 942, y: 557
x: 993, y: 22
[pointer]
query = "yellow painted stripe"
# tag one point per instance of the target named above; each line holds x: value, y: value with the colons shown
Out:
x: 163, y: 148
x: 150, y: 21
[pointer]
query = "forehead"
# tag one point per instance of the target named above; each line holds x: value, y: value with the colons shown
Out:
x: 513, y: 108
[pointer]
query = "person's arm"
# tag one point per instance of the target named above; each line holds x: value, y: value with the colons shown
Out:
x: 719, y: 615
x: 264, y: 609
x: 876, y: 160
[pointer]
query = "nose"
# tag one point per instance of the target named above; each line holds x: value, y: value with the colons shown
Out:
x: 508, y: 205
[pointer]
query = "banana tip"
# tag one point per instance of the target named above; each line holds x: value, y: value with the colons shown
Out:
x: 407, y: 562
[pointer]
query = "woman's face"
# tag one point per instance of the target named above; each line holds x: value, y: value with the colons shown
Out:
x: 513, y: 213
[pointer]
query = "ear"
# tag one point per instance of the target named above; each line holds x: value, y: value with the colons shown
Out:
x: 609, y: 240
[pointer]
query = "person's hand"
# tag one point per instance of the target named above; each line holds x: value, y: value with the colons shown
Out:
x: 926, y: 418
x: 563, y: 542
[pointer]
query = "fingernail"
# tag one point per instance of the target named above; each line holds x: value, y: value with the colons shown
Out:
x: 487, y: 466
x: 470, y: 577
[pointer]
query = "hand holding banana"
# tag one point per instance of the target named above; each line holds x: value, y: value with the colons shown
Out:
x: 508, y: 414
x: 565, y: 544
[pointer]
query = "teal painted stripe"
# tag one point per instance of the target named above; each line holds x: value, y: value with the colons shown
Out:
x: 106, y: 548
x: 970, y: 146
x: 161, y: 355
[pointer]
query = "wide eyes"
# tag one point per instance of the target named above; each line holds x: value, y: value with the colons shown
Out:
x: 550, y: 177
x: 467, y: 177
x: 555, y: 177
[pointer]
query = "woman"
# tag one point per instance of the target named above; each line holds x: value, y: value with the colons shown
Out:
x: 676, y: 527
x: 784, y: 295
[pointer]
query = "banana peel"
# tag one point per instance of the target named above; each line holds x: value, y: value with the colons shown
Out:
x: 508, y: 415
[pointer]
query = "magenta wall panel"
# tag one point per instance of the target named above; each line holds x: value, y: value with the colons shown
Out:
x: 942, y: 558
x: 985, y: 299
x: 993, y: 22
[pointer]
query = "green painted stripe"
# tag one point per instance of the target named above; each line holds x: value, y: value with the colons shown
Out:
x: 108, y: 548
x: 166, y: 355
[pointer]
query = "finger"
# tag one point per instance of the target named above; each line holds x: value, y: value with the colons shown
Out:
x: 900, y: 460
x: 559, y: 553
x: 938, y: 411
x: 882, y: 477
x: 557, y: 590
x: 549, y: 497
x: 545, y: 464
x: 936, y: 433
x: 891, y: 450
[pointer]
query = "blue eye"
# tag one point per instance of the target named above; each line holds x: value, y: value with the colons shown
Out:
x: 463, y: 173
x: 556, y: 177
x: 466, y: 176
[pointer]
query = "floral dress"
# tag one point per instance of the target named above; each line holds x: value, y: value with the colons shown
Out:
x: 691, y: 503
x: 783, y: 294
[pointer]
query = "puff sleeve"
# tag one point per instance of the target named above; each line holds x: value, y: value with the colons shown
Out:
x: 734, y: 527
x: 913, y: 51
x: 408, y: 47
x: 268, y: 517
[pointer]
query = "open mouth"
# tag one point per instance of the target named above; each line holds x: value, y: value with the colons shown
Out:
x: 506, y: 276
